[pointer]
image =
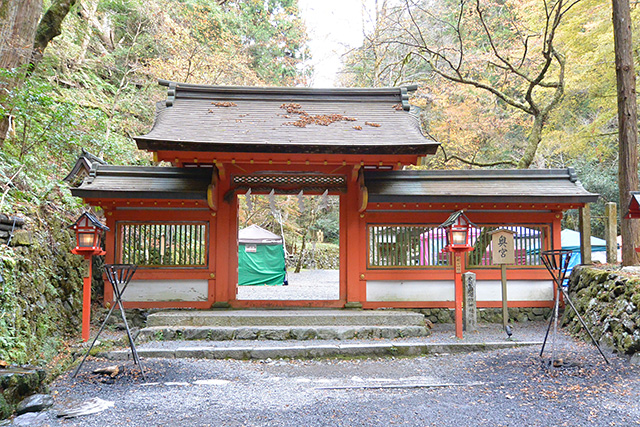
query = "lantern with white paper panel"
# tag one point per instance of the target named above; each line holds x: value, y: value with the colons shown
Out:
x: 88, y: 230
x: 457, y: 227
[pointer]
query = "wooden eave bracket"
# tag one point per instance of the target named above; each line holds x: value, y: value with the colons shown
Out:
x: 363, y: 193
x: 212, y: 191
x: 355, y: 173
x: 222, y: 172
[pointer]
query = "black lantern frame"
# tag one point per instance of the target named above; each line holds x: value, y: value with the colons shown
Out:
x: 88, y: 229
x: 457, y: 232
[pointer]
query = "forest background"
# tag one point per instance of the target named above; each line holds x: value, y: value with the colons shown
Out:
x: 487, y: 72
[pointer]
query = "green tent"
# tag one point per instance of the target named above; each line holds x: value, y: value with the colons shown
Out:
x: 260, y: 257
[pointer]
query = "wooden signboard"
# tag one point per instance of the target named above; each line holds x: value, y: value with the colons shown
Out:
x: 503, y: 253
x: 502, y: 247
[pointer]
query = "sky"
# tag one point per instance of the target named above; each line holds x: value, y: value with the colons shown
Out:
x: 334, y: 27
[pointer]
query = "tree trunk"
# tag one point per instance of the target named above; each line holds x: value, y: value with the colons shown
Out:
x: 533, y: 141
x: 19, y: 19
x: 50, y: 26
x: 627, y: 127
x: 301, y: 258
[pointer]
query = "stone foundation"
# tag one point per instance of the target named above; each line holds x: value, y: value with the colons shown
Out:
x: 489, y: 315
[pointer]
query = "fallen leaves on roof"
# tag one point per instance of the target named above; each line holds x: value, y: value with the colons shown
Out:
x: 224, y: 104
x: 375, y: 125
x: 305, y: 118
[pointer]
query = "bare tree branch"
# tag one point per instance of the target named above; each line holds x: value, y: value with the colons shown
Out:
x: 448, y: 158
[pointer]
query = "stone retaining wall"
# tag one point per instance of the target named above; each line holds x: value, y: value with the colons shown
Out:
x: 490, y: 315
x: 608, y: 301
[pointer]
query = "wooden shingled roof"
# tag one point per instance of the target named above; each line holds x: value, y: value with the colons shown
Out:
x: 132, y: 182
x: 287, y: 120
x: 477, y: 186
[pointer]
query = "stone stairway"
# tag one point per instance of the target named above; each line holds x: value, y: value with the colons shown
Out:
x: 310, y: 324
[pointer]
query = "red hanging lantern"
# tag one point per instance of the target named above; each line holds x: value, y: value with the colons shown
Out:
x: 457, y: 227
x: 88, y: 229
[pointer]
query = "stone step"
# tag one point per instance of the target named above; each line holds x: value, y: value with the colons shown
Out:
x: 314, y: 350
x: 290, y: 318
x: 279, y: 333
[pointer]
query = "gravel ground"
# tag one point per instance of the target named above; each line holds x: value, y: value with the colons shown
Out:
x: 306, y: 285
x: 496, y: 388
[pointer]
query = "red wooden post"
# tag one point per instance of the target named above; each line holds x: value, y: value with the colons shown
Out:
x: 458, y: 292
x: 86, y: 302
x: 88, y: 229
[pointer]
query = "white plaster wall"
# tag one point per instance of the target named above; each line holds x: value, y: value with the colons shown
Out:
x: 410, y: 290
x: 517, y: 290
x: 442, y: 290
x: 166, y: 290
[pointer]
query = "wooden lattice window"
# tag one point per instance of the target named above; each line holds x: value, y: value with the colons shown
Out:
x: 413, y: 246
x: 406, y: 246
x: 164, y: 244
x: 529, y: 241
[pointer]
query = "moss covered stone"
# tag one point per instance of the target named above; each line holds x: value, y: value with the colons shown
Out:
x: 608, y: 301
x: 41, y: 300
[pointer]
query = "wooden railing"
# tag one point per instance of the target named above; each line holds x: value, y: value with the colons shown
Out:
x: 394, y: 246
x: 163, y: 244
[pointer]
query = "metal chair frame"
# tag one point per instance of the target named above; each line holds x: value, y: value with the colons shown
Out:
x: 119, y: 276
x: 557, y: 262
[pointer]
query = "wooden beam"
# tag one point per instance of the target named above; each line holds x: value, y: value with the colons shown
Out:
x: 610, y: 231
x: 585, y: 234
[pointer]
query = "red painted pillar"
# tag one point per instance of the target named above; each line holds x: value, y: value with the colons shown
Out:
x: 86, y: 302
x: 226, y: 237
x: 353, y: 249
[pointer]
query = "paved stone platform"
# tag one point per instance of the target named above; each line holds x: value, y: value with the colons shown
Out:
x: 307, y: 317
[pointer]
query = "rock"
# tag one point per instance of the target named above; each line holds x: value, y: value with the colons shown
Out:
x: 22, y: 238
x: 30, y: 419
x: 91, y: 406
x: 635, y: 359
x: 444, y: 316
x: 5, y: 408
x: 631, y: 269
x: 34, y: 403
x: 11, y: 220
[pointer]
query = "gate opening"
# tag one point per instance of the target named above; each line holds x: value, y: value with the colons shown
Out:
x: 288, y: 247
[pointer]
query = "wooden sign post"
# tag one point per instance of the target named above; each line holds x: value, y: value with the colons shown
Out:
x: 503, y: 253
